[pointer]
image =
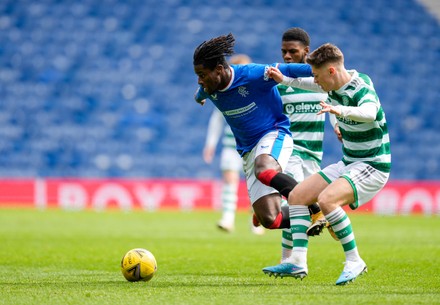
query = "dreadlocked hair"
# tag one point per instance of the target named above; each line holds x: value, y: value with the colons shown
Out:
x: 212, y: 52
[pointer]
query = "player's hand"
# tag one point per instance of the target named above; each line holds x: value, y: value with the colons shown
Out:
x: 275, y: 73
x: 329, y: 108
x: 208, y: 154
x: 338, y: 132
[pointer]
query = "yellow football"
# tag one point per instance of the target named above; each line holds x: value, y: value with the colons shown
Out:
x: 138, y: 265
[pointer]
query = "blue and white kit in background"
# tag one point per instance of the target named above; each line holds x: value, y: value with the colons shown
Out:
x: 252, y: 106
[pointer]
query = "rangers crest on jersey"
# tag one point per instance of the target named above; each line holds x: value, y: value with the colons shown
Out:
x: 242, y: 91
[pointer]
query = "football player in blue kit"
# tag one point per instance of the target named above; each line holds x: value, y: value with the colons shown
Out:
x: 251, y: 104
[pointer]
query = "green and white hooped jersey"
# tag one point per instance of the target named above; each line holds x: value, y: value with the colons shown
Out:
x: 307, y: 128
x: 228, y: 139
x: 367, y: 142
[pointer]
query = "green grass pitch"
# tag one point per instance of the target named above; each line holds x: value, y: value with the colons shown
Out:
x: 59, y: 257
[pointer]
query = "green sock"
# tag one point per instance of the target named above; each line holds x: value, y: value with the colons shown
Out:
x: 341, y: 225
x: 299, y: 223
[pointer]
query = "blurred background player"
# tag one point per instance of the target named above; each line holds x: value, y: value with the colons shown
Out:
x: 307, y: 128
x: 231, y: 163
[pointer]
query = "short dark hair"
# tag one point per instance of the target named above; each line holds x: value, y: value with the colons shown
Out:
x: 212, y: 52
x: 326, y: 53
x: 297, y: 34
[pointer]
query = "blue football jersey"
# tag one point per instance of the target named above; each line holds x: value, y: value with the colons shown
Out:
x: 251, y: 103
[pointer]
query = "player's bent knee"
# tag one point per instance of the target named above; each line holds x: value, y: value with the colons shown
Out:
x: 266, y: 176
x: 271, y: 221
x: 327, y: 204
x: 267, y: 220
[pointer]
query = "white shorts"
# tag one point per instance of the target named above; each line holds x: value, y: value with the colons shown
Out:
x: 230, y: 160
x: 301, y: 169
x: 365, y: 180
x: 276, y: 144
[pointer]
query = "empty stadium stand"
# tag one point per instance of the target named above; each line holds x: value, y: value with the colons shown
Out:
x: 104, y: 88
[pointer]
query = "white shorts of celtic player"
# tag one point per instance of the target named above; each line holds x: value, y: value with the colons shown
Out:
x: 365, y: 180
x: 269, y: 144
x: 230, y: 160
x: 301, y: 169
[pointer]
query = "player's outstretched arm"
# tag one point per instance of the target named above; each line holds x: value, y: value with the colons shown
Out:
x: 200, y: 96
x: 215, y: 130
x: 364, y: 113
x: 306, y: 83
x: 275, y: 73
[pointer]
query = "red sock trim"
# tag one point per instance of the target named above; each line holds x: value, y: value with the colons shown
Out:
x: 266, y: 176
x: 277, y: 221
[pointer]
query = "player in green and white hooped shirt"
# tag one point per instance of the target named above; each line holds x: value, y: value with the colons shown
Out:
x: 301, y: 106
x: 356, y: 179
x: 231, y: 166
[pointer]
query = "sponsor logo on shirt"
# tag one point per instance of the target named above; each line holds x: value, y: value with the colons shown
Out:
x: 241, y: 111
x: 348, y: 121
x: 302, y: 108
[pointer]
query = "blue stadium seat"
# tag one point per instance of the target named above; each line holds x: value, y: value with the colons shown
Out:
x: 99, y: 89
